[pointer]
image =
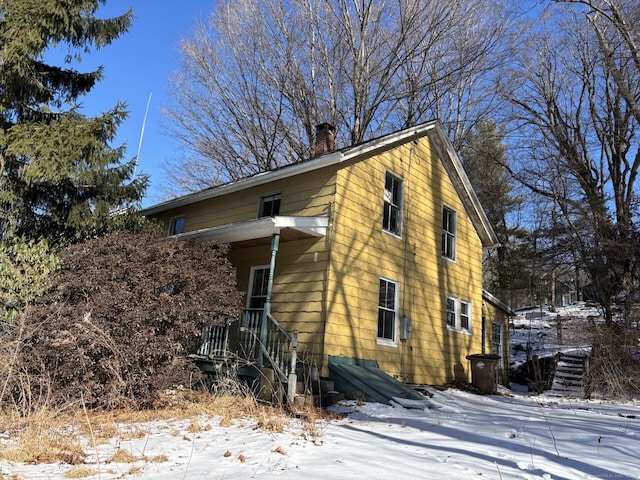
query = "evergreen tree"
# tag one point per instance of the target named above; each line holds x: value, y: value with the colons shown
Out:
x: 483, y: 158
x: 61, y: 178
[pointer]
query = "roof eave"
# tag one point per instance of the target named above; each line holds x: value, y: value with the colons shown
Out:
x: 259, y: 228
x: 366, y: 148
x: 242, y: 184
x: 491, y: 298
x: 463, y: 186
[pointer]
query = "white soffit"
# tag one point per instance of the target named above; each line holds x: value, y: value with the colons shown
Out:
x: 260, y: 228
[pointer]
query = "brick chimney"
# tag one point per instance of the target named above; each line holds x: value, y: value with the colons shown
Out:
x: 325, y: 139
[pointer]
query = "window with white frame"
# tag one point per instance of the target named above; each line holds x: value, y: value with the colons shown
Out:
x: 387, y: 310
x: 451, y: 312
x: 496, y: 338
x: 258, y: 283
x: 392, y: 213
x: 269, y: 205
x: 448, y: 233
x: 176, y: 225
x: 458, y: 314
x: 465, y: 315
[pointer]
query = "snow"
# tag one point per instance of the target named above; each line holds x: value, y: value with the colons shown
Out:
x: 454, y: 435
x: 505, y: 436
x: 535, y: 329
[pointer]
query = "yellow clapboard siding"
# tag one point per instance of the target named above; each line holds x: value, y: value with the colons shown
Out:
x: 362, y: 253
x: 328, y: 288
x: 310, y: 197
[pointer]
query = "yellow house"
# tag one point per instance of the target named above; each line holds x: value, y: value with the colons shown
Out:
x: 495, y: 324
x: 370, y: 252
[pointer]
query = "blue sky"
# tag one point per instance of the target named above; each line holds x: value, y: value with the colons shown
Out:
x: 138, y: 65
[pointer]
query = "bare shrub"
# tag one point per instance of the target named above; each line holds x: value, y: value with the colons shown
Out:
x: 114, y: 329
x: 614, y: 366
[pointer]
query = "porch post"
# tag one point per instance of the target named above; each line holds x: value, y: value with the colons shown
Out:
x: 264, y: 331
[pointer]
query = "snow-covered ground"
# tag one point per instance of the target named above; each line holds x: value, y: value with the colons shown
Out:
x: 513, y: 435
x: 506, y: 436
x: 536, y: 329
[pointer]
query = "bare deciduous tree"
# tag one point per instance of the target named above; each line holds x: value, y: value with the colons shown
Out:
x: 258, y: 76
x: 574, y: 104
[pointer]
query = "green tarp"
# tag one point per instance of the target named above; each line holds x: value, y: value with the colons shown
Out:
x: 362, y: 380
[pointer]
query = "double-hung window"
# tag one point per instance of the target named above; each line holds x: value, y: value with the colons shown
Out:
x: 458, y: 314
x: 392, y: 213
x: 269, y: 205
x: 451, y: 312
x: 465, y: 316
x: 448, y: 233
x: 387, y: 311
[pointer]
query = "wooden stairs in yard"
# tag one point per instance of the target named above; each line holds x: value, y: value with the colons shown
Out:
x: 568, y: 380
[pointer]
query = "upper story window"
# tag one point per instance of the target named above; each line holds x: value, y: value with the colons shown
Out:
x: 448, y: 233
x: 392, y: 213
x: 176, y: 225
x: 387, y: 311
x: 269, y: 205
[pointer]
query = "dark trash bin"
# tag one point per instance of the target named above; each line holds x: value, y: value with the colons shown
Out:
x: 484, y: 372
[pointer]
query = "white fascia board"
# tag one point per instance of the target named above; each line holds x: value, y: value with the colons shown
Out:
x: 259, y: 228
x: 294, y: 169
x: 245, y: 183
x: 491, y: 298
x: 463, y: 186
x: 313, y: 226
x: 389, y: 140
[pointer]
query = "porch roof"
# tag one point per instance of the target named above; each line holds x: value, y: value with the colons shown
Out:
x: 260, y: 230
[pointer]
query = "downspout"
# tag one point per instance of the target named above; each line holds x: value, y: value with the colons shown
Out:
x: 264, y: 330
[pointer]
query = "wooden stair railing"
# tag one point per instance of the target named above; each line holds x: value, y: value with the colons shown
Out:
x: 214, y: 341
x: 280, y: 348
x: 241, y: 340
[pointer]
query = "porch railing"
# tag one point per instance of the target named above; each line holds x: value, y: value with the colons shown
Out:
x: 246, y: 340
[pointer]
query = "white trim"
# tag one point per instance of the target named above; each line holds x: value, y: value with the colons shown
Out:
x: 462, y: 184
x: 500, y: 326
x: 400, y: 207
x: 441, y: 144
x: 252, y: 272
x: 493, y: 300
x: 455, y: 312
x: 260, y: 228
x: 457, y: 327
x: 245, y: 183
x: 469, y: 316
x: 273, y: 196
x: 453, y: 235
x: 389, y: 342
